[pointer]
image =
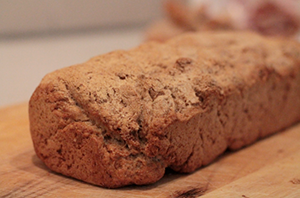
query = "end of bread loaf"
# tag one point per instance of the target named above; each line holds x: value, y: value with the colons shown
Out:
x: 123, y: 117
x: 79, y: 142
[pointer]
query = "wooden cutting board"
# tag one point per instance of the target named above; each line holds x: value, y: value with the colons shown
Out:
x: 268, y: 168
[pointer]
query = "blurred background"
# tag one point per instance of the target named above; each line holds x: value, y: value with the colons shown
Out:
x: 40, y: 36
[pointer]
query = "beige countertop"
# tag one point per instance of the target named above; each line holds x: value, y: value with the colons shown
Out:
x: 268, y: 168
x: 24, y: 61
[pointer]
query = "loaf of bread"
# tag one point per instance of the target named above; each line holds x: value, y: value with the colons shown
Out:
x: 121, y: 118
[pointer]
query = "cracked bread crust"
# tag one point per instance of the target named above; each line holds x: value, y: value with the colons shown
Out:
x: 123, y: 117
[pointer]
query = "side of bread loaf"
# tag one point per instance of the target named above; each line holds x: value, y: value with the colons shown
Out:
x: 123, y: 117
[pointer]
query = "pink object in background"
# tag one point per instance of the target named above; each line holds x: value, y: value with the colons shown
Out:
x: 269, y: 17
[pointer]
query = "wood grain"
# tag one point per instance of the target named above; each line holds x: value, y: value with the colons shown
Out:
x: 268, y: 168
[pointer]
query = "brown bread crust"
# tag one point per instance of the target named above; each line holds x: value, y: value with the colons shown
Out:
x: 123, y: 117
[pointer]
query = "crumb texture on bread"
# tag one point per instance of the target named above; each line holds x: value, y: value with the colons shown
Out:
x: 123, y: 117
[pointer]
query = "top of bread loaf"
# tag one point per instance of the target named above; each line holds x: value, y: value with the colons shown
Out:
x: 161, y: 79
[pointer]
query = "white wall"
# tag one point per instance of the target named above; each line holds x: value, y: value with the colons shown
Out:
x: 40, y: 36
x: 31, y: 16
